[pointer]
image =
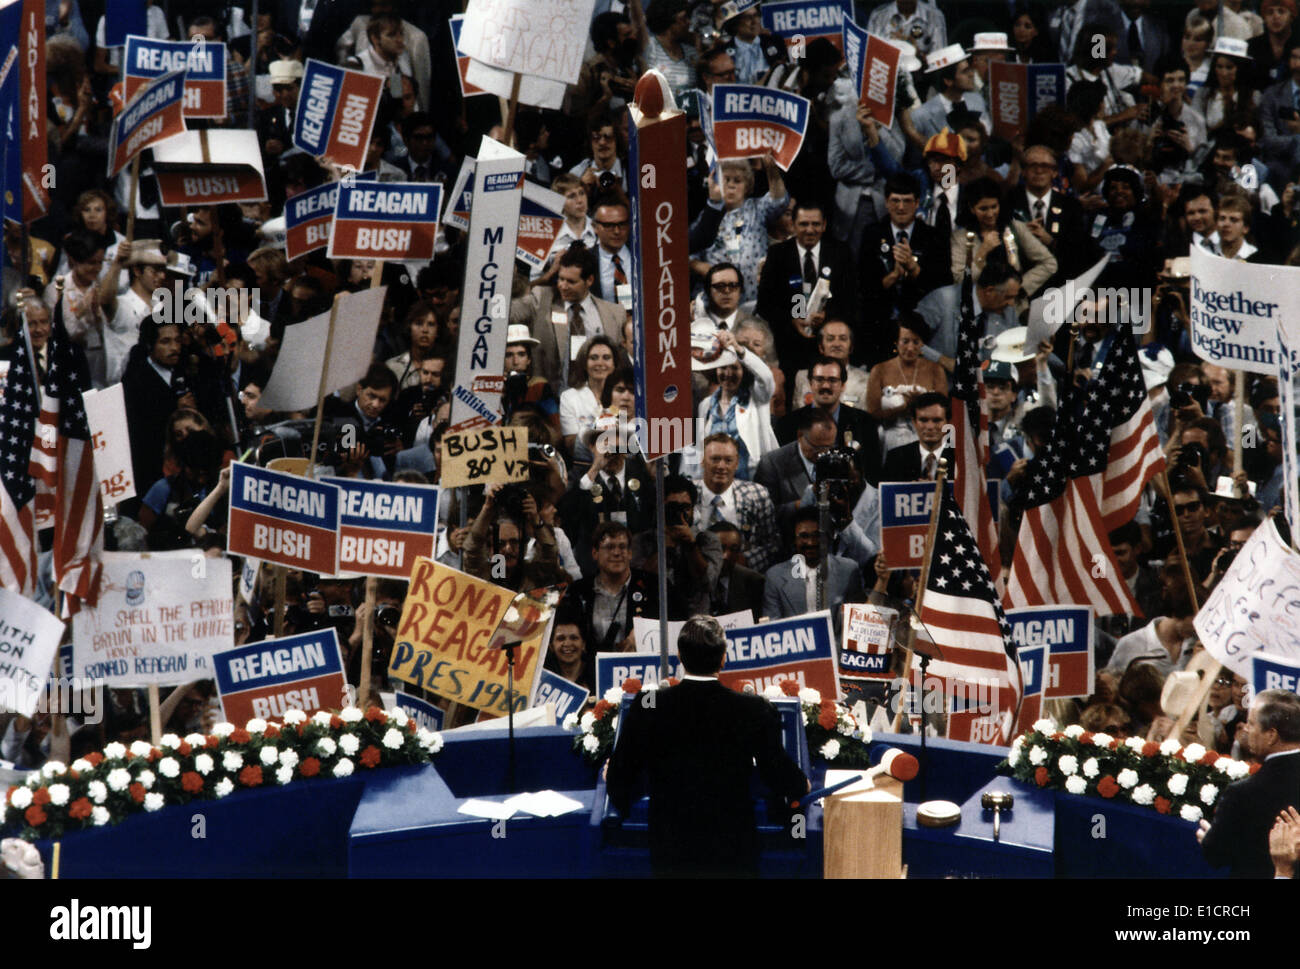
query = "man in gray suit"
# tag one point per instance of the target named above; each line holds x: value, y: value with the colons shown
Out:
x: 791, y: 587
x: 788, y: 471
x: 996, y: 290
x: 577, y: 313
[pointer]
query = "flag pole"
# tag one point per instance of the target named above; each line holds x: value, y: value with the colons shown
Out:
x: 663, y: 569
x: 1163, y: 478
x: 933, y: 528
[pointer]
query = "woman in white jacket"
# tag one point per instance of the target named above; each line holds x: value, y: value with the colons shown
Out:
x: 739, y: 406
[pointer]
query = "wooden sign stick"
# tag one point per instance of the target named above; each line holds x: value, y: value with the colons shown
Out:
x: 1239, y: 403
x: 367, y: 644
x: 1163, y: 478
x: 920, y: 589
x: 279, y: 600
x: 512, y: 109
x: 321, y: 391
x: 376, y: 273
x: 135, y: 188
x: 155, y: 714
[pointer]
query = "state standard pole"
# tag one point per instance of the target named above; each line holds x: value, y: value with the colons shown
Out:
x: 663, y: 571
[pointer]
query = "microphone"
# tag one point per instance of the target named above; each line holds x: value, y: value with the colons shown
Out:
x: 895, y: 763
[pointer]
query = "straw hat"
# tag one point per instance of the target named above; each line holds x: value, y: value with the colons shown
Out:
x: 947, y: 57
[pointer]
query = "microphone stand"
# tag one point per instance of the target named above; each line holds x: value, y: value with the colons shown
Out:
x: 510, y: 712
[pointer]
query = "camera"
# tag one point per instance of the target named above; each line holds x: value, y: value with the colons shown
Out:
x: 677, y: 513
x: 1187, y: 393
x: 387, y: 615
x: 1192, y: 456
x: 607, y: 181
x: 835, y: 468
x: 510, y: 499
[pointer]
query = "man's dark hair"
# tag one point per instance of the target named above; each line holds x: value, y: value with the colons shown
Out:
x: 303, y: 169
x: 660, y: 16
x: 603, y: 119
x: 612, y: 199
x: 1130, y: 533
x: 1171, y: 63
x: 809, y: 205
x: 996, y: 272
x: 1194, y: 190
x: 820, y: 53
x: 806, y: 418
x: 417, y: 119
x: 716, y: 268
x: 718, y: 528
x: 825, y: 361
x: 1218, y: 443
x: 929, y: 399
x: 81, y: 244
x: 680, y: 484
x: 582, y: 257
x: 604, y: 29
x: 379, y: 377
x: 902, y: 183
x: 1038, y: 422
x: 702, y: 645
x: 806, y: 513
x: 1084, y: 99
x: 1280, y: 710
x: 608, y: 528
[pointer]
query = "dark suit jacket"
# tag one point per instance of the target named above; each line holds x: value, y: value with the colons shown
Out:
x: 904, y: 463
x: 782, y: 280
x: 698, y: 743
x: 859, y: 423
x: 1072, y: 246
x: 580, y: 512
x: 786, y: 594
x: 1238, y: 837
x: 642, y: 599
x: 271, y: 124
x: 150, y: 401
x: 744, y: 591
x: 1155, y: 42
x: 877, y: 261
x: 783, y: 474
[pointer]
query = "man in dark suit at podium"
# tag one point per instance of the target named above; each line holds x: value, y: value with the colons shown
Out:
x: 698, y: 742
x: 920, y: 459
x: 1247, y: 809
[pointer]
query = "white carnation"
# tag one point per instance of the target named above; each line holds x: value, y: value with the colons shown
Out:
x: 1144, y: 794
x: 98, y: 791
x: 223, y: 729
x: 1013, y: 758
x: 351, y: 715
x: 1101, y: 739
x: 141, y: 748
x: 119, y: 779
x: 650, y: 685
x: 1045, y: 725
x: 169, y: 767
x: 1177, y: 784
x: 831, y: 749
x: 294, y: 717
x: 590, y: 743
x: 1135, y: 743
x: 203, y: 764
x: 154, y: 801
x: 53, y: 768
x: 326, y: 746
x: 570, y: 721
x: 430, y: 740
x: 1237, y: 769
x: 392, y: 739
x: 283, y: 774
x: 256, y: 725
x: 773, y: 692
x: 1193, y: 752
x: 809, y: 695
x: 114, y: 751
x: 1068, y: 764
x: 268, y: 756
x: 343, y: 768
x: 866, y: 735
x: 349, y: 744
x: 846, y: 726
x: 1128, y: 778
x: 195, y: 739
x: 1170, y: 747
x: 169, y: 741
x: 322, y: 718
x: 100, y: 816
x: 398, y: 716
x: 1037, y: 755
x: 1076, y: 784
x: 1208, y: 793
x: 614, y: 695
x: 81, y: 765
x: 59, y: 794
x: 21, y: 798
x: 289, y: 758
x: 146, y: 777
x: 588, y: 719
x: 224, y: 787
x: 1091, y: 768
x: 1190, y: 812
x: 232, y: 760
x: 1073, y: 731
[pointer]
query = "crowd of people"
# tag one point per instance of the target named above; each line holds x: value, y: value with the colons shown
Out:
x: 826, y: 300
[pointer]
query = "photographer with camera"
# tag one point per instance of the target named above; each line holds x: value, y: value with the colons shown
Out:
x: 389, y: 595
x: 694, y: 556
x: 362, y: 444
x: 510, y: 544
x: 791, y: 586
x: 613, y: 595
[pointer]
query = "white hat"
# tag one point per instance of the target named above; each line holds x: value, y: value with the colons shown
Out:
x: 907, y: 61
x: 1009, y: 345
x: 707, y: 352
x: 285, y: 71
x: 519, y: 333
x: 947, y: 57
x: 146, y: 252
x: 990, y: 41
x: 1156, y: 362
x: 273, y: 232
x: 1224, y: 488
x: 179, y: 263
x: 1231, y: 47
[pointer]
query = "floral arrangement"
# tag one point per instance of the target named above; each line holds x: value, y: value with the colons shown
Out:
x: 597, y: 727
x: 106, y: 787
x: 1181, y: 781
x: 834, y: 734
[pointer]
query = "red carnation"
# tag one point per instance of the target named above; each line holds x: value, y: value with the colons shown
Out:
x: 310, y: 767
x: 75, y: 774
x: 410, y: 726
x: 376, y: 715
x: 1107, y: 787
x: 828, y: 718
x: 1254, y: 768
x: 1041, y: 776
x: 271, y: 732
x: 191, y: 782
x: 1210, y: 758
x: 251, y: 776
x: 370, y: 756
x: 137, y: 792
x: 1163, y: 804
x: 790, y: 687
x: 1085, y: 737
x: 673, y: 681
x: 1114, y: 744
x: 1150, y: 748
x: 1058, y: 736
x: 336, y: 722
x: 35, y: 816
x: 240, y: 736
x: 80, y: 808
x: 601, y: 708
x: 41, y: 796
x: 95, y: 758
x: 212, y: 741
x: 632, y: 685
x: 153, y: 754
x: 184, y: 749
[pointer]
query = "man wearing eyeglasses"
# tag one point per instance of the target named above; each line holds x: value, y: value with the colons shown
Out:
x: 827, y: 379
x: 613, y: 227
x: 602, y: 135
x: 612, y: 595
x: 717, y: 67
x: 722, y: 288
x: 1191, y: 506
x: 1051, y: 216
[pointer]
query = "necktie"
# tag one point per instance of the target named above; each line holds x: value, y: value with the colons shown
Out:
x: 1134, y: 42
x: 716, y: 516
x: 809, y: 270
x: 615, y: 492
x: 930, y: 465
x: 576, y: 326
x: 1039, y: 209
x: 421, y: 173
x: 620, y: 277
x: 902, y: 236
x: 942, y: 217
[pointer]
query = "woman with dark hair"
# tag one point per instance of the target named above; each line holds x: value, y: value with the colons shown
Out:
x: 1090, y: 146
x: 1229, y: 88
x: 423, y: 333
x: 596, y: 362
x: 893, y: 384
x: 568, y: 656
x: 1030, y: 41
x: 739, y: 406
x: 998, y: 236
x: 617, y: 407
x: 168, y: 504
x: 96, y: 213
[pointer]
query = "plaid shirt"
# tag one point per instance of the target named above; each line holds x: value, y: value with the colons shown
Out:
x: 237, y: 93
x: 750, y: 509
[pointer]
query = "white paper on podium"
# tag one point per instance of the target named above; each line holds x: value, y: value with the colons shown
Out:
x: 477, y: 807
x: 543, y: 804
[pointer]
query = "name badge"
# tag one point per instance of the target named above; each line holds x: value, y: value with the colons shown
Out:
x: 576, y: 340
x: 624, y: 294
x: 559, y: 318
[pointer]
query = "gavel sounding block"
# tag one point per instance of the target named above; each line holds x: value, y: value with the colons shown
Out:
x: 863, y: 829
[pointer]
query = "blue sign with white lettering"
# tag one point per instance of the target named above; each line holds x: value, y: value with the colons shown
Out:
x: 1275, y: 673
x: 567, y: 696
x: 422, y: 711
x: 613, y: 668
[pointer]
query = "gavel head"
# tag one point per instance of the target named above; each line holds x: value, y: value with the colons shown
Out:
x: 995, y: 800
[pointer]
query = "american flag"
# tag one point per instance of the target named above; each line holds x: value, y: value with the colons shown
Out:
x: 64, y: 432
x: 970, y: 421
x: 961, y: 612
x: 17, y: 488
x: 1087, y: 481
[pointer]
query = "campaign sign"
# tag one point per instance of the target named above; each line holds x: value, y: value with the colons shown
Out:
x: 539, y: 224
x: 661, y: 314
x: 424, y: 713
x: 384, y: 526
x: 456, y: 22
x: 873, y: 65
x: 204, y: 64
x: 266, y: 679
x: 461, y: 199
x: 1019, y: 91
x: 307, y: 218
x: 29, y: 641
x: 1066, y: 632
x: 799, y: 648
x: 1237, y: 309
x: 867, y: 644
x: 1274, y: 673
x: 385, y: 221
x: 1034, y: 672
x: 336, y: 112
x: 553, y: 688
x: 801, y: 21
x: 749, y: 121
x: 283, y: 519
x: 153, y: 115
x: 904, y: 521
x: 613, y: 668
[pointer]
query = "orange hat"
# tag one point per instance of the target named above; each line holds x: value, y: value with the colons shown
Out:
x: 947, y: 143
